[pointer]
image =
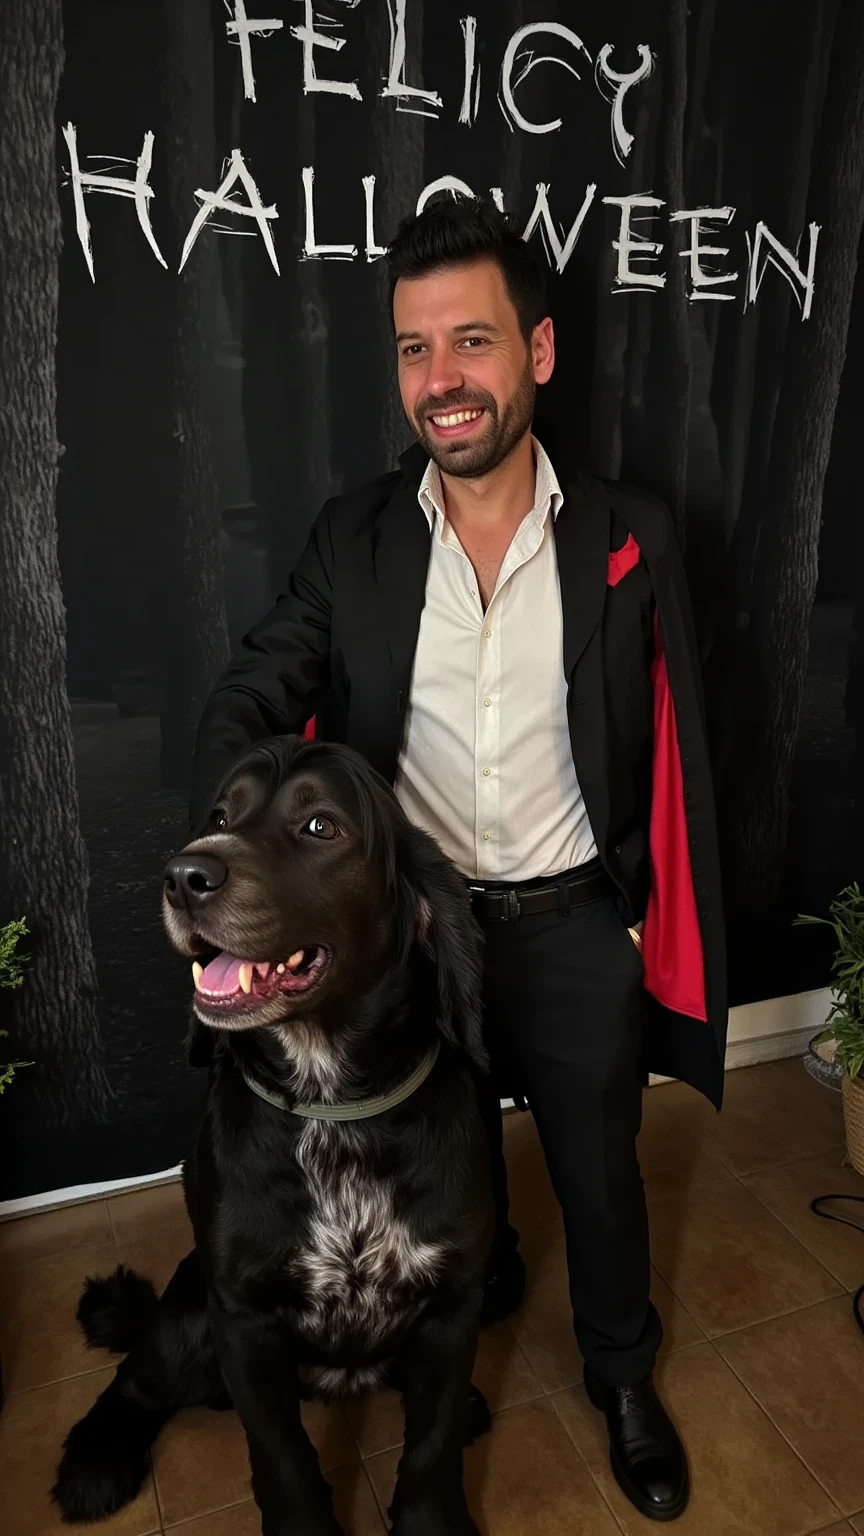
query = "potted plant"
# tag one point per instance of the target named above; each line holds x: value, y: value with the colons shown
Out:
x: 845, y: 1025
x: 11, y: 975
x: 12, y: 964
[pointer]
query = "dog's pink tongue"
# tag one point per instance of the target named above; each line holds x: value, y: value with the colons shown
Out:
x: 222, y: 975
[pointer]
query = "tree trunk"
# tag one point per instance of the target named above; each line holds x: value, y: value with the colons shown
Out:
x: 196, y: 629
x: 782, y: 205
x: 43, y: 863
x: 787, y: 561
x: 668, y: 372
x: 398, y: 140
x: 613, y: 322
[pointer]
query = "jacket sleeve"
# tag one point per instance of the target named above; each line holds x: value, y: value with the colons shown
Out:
x: 278, y: 676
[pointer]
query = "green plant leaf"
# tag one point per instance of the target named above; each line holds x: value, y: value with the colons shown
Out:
x: 845, y: 1022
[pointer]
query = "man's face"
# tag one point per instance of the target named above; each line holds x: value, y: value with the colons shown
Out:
x: 467, y: 376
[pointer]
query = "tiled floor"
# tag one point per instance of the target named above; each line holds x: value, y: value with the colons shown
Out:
x: 762, y: 1366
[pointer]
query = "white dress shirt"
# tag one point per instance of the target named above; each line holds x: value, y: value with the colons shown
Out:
x: 486, y: 764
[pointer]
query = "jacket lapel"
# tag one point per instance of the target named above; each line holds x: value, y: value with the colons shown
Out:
x: 401, y: 559
x: 582, y: 549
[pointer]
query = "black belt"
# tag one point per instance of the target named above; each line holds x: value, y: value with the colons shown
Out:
x: 506, y: 904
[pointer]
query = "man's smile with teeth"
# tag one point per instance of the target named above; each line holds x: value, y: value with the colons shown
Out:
x: 456, y: 418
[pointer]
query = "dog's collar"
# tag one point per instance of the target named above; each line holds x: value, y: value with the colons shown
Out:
x: 354, y: 1109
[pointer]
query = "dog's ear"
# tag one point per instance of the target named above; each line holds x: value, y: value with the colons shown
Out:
x: 438, y: 916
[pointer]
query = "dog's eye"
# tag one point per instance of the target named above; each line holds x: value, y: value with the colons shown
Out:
x: 321, y: 826
x: 218, y: 821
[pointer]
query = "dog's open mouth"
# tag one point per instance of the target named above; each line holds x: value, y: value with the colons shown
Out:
x: 227, y: 983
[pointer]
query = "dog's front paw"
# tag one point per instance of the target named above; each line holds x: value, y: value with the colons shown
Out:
x: 291, y: 1525
x: 433, y: 1519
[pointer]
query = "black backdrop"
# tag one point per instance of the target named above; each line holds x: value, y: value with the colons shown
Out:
x: 203, y: 415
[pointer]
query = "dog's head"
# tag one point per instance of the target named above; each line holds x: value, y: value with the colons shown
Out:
x: 308, y: 888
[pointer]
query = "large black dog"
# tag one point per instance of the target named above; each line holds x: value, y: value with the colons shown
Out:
x: 338, y: 1190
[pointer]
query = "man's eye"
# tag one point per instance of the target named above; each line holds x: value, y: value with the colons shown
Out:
x: 321, y: 826
x: 413, y: 349
x: 474, y: 341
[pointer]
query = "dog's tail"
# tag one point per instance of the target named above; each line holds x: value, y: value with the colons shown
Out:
x: 106, y: 1456
x: 116, y: 1311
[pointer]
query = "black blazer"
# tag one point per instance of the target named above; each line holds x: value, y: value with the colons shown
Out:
x: 339, y: 644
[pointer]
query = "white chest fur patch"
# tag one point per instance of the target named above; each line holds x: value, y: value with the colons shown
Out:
x: 361, y: 1269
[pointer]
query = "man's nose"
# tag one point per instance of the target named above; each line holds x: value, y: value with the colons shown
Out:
x: 445, y: 373
x: 191, y: 879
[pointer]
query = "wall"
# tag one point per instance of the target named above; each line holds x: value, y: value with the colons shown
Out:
x: 193, y: 214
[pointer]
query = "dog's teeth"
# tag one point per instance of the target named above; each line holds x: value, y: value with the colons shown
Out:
x: 263, y: 968
x: 197, y: 973
x: 280, y: 969
x: 294, y: 960
x: 246, y: 970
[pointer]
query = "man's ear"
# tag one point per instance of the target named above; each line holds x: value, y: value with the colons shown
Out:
x: 437, y: 913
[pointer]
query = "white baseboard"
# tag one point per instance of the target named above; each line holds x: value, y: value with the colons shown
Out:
x: 772, y: 1029
x: 758, y: 1032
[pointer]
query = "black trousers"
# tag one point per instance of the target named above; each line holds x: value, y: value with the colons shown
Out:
x: 563, y: 1001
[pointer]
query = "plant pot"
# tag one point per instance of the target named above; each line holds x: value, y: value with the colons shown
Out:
x: 821, y: 1062
x: 853, y: 1115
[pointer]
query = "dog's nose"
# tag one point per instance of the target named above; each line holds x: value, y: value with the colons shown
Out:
x: 192, y: 878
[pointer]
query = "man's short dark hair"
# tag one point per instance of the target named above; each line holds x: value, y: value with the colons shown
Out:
x: 455, y: 232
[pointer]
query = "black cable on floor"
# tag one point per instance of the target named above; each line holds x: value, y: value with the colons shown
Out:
x: 816, y: 1207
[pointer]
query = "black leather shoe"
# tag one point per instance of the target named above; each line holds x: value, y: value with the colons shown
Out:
x: 645, y: 1453
x: 504, y: 1291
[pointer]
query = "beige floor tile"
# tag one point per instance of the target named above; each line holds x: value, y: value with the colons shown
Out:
x: 33, y: 1427
x: 237, y: 1520
x: 376, y: 1422
x: 40, y: 1339
x: 502, y: 1373
x: 807, y: 1371
x: 679, y: 1329
x: 201, y: 1462
x: 354, y: 1503
x: 156, y: 1204
x: 544, y: 1325
x: 61, y: 1231
x: 533, y: 1206
x: 787, y: 1192
x: 774, y: 1114
x: 746, y: 1481
x: 731, y: 1263
x: 523, y: 1477
x: 157, y: 1251
x: 674, y: 1143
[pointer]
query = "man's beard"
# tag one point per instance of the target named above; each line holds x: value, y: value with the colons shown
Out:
x: 471, y: 458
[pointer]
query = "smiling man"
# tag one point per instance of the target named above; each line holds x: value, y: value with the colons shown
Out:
x: 508, y: 641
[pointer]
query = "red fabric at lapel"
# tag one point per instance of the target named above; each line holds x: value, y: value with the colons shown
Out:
x: 309, y: 733
x: 622, y: 560
x: 672, y: 939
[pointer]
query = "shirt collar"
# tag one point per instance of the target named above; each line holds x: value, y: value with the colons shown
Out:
x: 547, y: 490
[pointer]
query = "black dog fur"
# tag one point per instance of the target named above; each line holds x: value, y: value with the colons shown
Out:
x: 329, y: 1257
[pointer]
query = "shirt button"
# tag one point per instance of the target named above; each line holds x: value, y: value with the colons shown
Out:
x: 487, y: 634
x: 487, y: 702
x: 487, y: 836
x: 486, y: 772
